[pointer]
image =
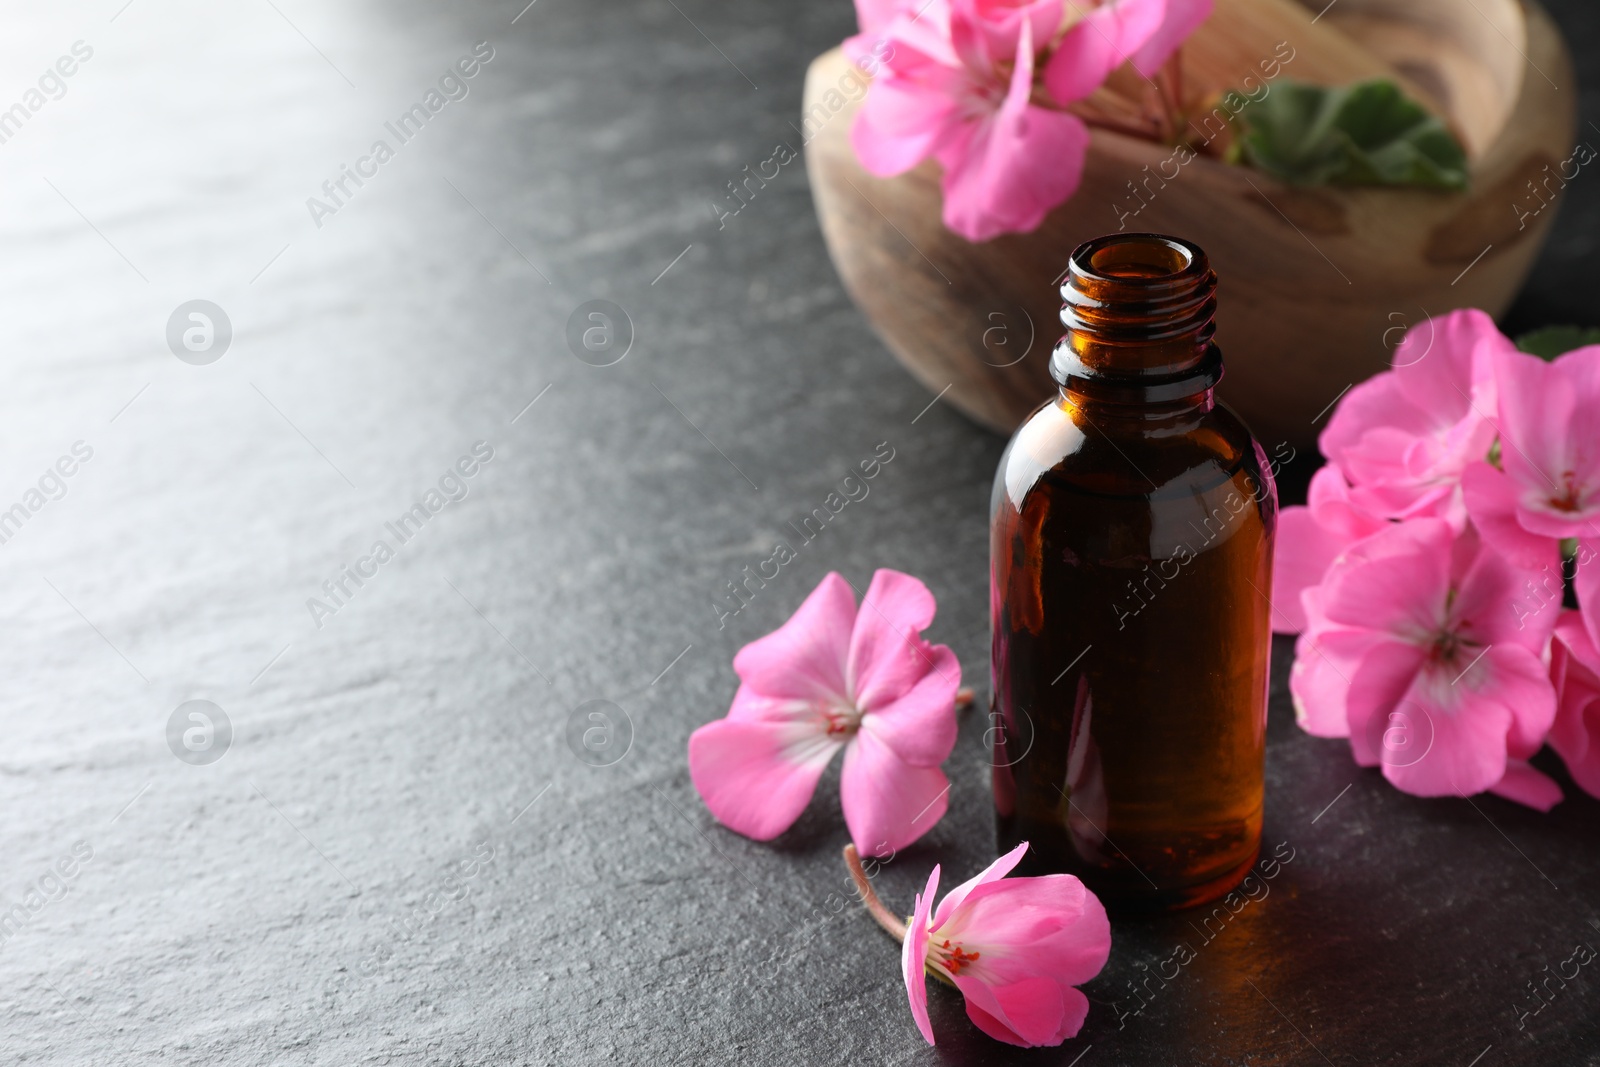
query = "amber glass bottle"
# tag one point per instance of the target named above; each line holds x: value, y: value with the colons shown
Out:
x: 1133, y: 521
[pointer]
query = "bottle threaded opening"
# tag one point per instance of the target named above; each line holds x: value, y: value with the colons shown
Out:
x: 1139, y: 312
x: 1150, y: 259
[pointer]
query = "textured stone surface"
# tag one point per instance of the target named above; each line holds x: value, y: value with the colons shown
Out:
x: 401, y: 858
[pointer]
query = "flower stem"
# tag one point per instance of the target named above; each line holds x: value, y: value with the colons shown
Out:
x: 1104, y: 121
x: 1175, y: 82
x: 886, y: 918
x: 1170, y: 96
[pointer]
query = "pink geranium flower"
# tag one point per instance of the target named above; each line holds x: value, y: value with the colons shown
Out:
x: 1403, y: 437
x: 1414, y: 644
x: 1310, y: 538
x: 957, y: 83
x: 1547, y: 487
x: 1016, y: 948
x: 836, y: 679
x: 1575, y: 670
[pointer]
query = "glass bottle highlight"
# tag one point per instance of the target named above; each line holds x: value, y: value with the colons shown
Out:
x: 1131, y: 558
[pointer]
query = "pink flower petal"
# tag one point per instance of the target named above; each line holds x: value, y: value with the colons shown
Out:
x: 992, y: 873
x: 1310, y: 538
x: 1394, y: 580
x: 1326, y: 657
x: 1301, y: 558
x: 914, y: 956
x: 1502, y: 604
x: 1541, y: 517
x: 1517, y: 679
x: 920, y: 726
x: 1319, y: 680
x: 1493, y: 502
x: 1575, y: 670
x: 1101, y: 41
x: 1305, y: 551
x: 1467, y: 756
x: 901, y: 123
x: 1455, y: 736
x: 804, y: 658
x: 1525, y: 785
x: 999, y: 22
x: 1377, y: 404
x: 1586, y: 584
x: 914, y: 36
x: 874, y: 15
x: 1183, y: 17
x: 1007, y: 175
x: 1027, y: 1013
x: 888, y: 803
x: 1536, y: 410
x: 911, y: 106
x: 756, y: 777
x: 1006, y: 172
x: 1328, y: 498
x: 1074, y: 1010
x: 749, y: 705
x: 887, y: 655
x: 971, y: 44
x: 1386, y: 725
x: 1447, y: 377
x: 987, y: 1022
x: 1395, y: 475
x: 1004, y: 23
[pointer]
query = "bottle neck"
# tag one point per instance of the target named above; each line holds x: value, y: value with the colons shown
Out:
x: 1139, y: 315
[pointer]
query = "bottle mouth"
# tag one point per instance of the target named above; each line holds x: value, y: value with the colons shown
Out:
x: 1138, y: 310
x: 1139, y: 289
x: 1146, y: 256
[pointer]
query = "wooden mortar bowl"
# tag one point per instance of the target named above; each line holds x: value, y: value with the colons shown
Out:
x: 1315, y: 284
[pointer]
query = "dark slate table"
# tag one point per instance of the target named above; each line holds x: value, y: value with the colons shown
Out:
x: 406, y: 853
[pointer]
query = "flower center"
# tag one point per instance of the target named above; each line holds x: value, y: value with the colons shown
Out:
x: 1445, y: 647
x: 1568, y: 499
x: 982, y: 100
x: 951, y: 958
x: 842, y: 720
x: 1452, y: 641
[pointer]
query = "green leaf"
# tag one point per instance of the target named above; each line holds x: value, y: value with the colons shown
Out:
x: 1365, y: 134
x: 1548, y: 342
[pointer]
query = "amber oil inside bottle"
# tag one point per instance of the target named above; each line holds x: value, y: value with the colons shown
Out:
x: 1131, y: 555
